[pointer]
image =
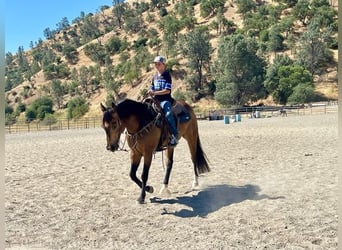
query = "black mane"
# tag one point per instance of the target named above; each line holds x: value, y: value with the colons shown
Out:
x: 142, y: 111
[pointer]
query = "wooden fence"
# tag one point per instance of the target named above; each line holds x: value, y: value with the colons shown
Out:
x: 95, y: 122
x: 61, y: 124
x: 270, y: 111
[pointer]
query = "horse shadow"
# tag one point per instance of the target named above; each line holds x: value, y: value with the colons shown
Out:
x: 212, y: 199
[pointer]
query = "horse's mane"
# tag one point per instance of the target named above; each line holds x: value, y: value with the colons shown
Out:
x: 142, y: 111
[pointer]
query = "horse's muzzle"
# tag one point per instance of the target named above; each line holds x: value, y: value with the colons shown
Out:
x: 113, y: 147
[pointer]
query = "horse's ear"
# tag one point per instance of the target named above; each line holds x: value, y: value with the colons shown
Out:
x: 103, y: 108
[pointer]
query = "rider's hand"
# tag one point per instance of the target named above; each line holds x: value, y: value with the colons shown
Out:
x: 151, y: 93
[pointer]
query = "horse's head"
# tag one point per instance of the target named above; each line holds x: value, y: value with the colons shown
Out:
x: 111, y: 123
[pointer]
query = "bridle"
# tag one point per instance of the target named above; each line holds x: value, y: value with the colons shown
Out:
x: 116, y: 124
x: 146, y: 129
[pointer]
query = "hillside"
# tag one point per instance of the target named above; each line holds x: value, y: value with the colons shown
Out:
x: 38, y: 84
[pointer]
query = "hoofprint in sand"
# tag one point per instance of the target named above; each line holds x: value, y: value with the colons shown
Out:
x: 272, y: 185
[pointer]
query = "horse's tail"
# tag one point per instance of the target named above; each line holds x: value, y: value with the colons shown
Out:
x: 201, y: 162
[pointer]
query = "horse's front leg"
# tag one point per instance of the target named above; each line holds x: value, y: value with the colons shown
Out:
x: 133, y: 174
x: 144, y: 187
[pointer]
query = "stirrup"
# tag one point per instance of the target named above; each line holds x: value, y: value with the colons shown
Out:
x: 173, y: 141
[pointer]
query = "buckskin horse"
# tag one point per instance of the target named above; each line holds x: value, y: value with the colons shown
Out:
x: 147, y: 133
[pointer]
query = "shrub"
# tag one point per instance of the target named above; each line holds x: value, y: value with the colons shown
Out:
x: 163, y: 12
x: 50, y: 119
x: 179, y: 95
x: 39, y: 108
x: 77, y: 107
x: 302, y: 93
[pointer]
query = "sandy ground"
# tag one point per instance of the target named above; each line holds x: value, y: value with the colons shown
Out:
x: 273, y: 185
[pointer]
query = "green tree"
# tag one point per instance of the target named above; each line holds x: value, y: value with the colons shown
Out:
x: 113, y: 45
x: 56, y: 71
x: 272, y: 78
x: 275, y: 40
x: 323, y: 13
x: 211, y: 7
x: 39, y: 108
x: 313, y: 52
x: 170, y: 27
x: 110, y: 83
x: 118, y: 11
x: 63, y: 24
x: 57, y: 91
x: 77, y: 107
x: 96, y: 52
x: 302, y: 93
x: 239, y: 71
x: 84, y: 78
x: 302, y: 11
x: 245, y: 6
x: 70, y: 53
x: 89, y: 29
x: 289, y: 77
x: 196, y: 47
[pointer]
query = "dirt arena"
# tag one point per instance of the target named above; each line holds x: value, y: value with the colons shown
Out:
x: 272, y: 185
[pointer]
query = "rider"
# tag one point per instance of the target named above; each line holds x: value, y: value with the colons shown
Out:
x: 161, y: 90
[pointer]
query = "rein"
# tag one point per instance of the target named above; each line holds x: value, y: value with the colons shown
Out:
x: 143, y: 130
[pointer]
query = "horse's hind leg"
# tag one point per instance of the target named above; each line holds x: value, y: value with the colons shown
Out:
x: 169, y: 165
x: 192, y: 139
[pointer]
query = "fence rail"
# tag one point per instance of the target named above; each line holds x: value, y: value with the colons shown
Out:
x: 61, y: 124
x: 95, y: 122
x: 269, y: 111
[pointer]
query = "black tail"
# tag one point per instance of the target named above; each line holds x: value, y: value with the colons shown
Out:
x: 201, y: 159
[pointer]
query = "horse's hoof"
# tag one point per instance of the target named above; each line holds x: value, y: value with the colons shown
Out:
x: 195, y: 186
x: 150, y: 189
x: 140, y: 201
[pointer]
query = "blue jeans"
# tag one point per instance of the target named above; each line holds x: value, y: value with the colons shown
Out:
x: 166, y: 106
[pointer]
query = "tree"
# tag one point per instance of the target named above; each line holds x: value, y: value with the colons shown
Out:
x: 289, y: 78
x: 96, y: 52
x: 272, y: 78
x: 77, y: 107
x: 39, y: 108
x: 118, y: 11
x: 302, y: 11
x: 170, y: 27
x: 63, y: 24
x: 313, y: 50
x: 245, y: 6
x: 196, y: 47
x: 239, y: 71
x: 210, y: 7
x: 302, y: 93
x: 84, y: 78
x: 70, y: 53
x: 275, y: 39
x: 110, y: 83
x: 57, y: 91
x: 48, y: 33
x: 113, y: 45
x: 89, y: 29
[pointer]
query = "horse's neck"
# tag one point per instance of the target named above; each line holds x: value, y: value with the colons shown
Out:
x: 132, y: 124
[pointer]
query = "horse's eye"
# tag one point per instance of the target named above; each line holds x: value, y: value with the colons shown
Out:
x: 115, y: 124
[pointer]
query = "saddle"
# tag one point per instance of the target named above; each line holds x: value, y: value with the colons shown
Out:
x: 180, y: 113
